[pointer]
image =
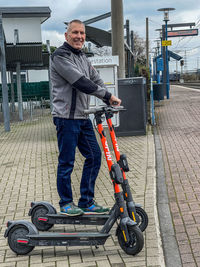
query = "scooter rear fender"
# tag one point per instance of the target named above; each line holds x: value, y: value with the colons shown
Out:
x: 47, y: 205
x: 31, y: 227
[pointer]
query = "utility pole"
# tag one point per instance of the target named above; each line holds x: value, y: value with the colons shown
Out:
x: 117, y: 20
x: 166, y: 19
x: 19, y: 91
x: 185, y: 62
x: 6, y: 111
x: 132, y: 57
x: 12, y: 92
x: 128, y: 52
x: 19, y: 84
x: 50, y: 85
x: 147, y: 42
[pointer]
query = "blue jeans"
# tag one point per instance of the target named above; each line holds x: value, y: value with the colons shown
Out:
x: 71, y: 134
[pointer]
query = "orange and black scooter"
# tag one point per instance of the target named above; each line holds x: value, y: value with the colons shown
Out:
x: 23, y: 236
x: 136, y: 212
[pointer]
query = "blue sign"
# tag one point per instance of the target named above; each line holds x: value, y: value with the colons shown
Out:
x: 159, y: 64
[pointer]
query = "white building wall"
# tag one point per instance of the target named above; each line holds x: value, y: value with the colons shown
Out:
x: 37, y: 75
x: 29, y: 29
x: 32, y: 76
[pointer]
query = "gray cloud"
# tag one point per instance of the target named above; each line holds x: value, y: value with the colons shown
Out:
x: 135, y: 11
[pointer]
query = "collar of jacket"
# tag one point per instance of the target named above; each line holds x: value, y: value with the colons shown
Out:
x: 74, y: 50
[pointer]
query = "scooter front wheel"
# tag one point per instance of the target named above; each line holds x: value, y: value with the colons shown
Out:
x: 141, y: 218
x: 136, y: 242
x: 16, y: 233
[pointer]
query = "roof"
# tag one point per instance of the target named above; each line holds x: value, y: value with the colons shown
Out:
x: 26, y: 12
x: 98, y: 36
x: 29, y: 55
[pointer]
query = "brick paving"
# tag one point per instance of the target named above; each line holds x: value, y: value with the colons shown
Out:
x: 28, y: 162
x: 178, y: 124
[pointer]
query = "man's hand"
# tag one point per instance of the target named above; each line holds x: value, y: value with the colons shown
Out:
x: 114, y: 101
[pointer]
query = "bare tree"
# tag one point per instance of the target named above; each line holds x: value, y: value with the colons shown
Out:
x: 101, y: 51
x: 139, y: 49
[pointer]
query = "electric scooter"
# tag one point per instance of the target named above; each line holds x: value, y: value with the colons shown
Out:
x: 135, y: 211
x: 23, y: 236
x: 44, y: 215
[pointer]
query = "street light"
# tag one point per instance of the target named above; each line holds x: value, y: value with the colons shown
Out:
x: 161, y: 59
x: 166, y: 19
x: 160, y: 35
x: 157, y: 63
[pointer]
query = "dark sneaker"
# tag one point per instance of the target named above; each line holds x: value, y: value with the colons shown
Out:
x: 71, y: 210
x: 95, y: 209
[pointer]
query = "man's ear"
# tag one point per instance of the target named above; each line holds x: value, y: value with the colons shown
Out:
x: 66, y: 36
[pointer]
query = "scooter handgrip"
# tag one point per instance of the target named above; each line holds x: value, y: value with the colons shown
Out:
x: 89, y: 111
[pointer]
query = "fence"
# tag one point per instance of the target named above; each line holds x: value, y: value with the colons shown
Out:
x: 35, y: 97
x: 35, y: 90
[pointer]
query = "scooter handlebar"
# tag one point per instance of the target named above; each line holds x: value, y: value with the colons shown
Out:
x: 104, y: 109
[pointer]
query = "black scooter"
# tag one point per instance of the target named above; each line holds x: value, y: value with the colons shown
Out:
x: 23, y: 236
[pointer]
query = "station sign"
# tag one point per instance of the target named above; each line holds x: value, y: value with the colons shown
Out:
x: 166, y: 43
x: 179, y: 33
x: 104, y: 61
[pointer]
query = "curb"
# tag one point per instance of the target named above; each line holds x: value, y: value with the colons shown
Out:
x: 170, y: 246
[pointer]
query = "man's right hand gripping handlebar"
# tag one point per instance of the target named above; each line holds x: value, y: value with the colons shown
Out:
x: 114, y: 101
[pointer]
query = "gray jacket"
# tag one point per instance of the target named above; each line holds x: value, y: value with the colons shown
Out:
x: 73, y: 80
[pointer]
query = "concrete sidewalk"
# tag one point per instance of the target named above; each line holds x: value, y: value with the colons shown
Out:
x: 178, y: 125
x: 28, y: 162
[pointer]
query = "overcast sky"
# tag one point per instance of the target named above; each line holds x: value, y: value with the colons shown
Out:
x: 136, y: 11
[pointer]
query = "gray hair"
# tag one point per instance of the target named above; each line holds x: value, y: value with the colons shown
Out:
x: 74, y: 21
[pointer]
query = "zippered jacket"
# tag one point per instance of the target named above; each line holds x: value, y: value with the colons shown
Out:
x: 73, y: 80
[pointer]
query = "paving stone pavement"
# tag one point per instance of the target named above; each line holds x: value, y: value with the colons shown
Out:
x: 178, y: 124
x: 28, y: 162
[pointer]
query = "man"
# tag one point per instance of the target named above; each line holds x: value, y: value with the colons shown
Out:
x: 73, y: 79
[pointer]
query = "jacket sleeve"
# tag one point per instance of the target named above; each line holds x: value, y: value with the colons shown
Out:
x: 69, y: 71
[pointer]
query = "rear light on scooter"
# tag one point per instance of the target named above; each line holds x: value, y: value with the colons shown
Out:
x: 22, y: 241
x: 42, y: 219
x: 8, y: 223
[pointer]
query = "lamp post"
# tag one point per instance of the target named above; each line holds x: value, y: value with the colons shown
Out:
x: 166, y: 19
x: 157, y: 61
x: 161, y: 52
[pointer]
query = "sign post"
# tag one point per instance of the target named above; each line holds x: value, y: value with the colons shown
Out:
x: 107, y: 68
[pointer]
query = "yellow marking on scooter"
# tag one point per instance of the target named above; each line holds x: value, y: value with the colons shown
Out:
x: 133, y: 216
x: 124, y: 236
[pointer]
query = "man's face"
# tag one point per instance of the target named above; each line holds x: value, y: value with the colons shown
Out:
x: 76, y: 35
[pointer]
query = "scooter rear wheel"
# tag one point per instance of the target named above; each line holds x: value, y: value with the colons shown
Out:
x: 136, y: 240
x: 17, y: 232
x: 142, y: 218
x: 40, y: 211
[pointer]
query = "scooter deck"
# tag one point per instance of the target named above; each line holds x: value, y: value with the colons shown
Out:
x: 92, y: 219
x: 64, y: 239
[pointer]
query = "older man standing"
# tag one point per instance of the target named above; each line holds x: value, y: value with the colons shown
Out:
x: 73, y: 81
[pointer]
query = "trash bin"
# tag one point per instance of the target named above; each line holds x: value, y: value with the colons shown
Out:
x: 132, y: 92
x: 158, y: 91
